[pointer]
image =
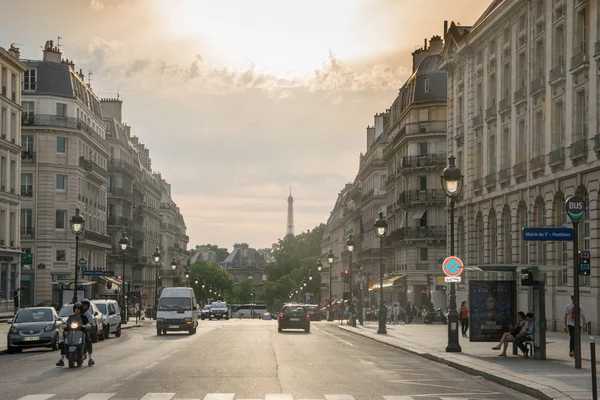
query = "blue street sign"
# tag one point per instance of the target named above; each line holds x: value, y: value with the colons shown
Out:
x: 548, y: 234
x: 93, y: 273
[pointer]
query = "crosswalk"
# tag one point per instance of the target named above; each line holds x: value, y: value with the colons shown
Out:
x: 232, y: 396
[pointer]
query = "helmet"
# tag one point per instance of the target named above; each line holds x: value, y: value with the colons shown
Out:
x: 78, y: 305
x: 86, y: 301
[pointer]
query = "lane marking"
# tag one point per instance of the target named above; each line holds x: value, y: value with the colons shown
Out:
x: 98, y: 396
x: 398, y: 397
x: 411, y: 382
x: 158, y: 396
x: 219, y: 396
x: 338, y: 397
x: 37, y: 397
x: 453, y: 394
x: 333, y: 336
x: 279, y: 396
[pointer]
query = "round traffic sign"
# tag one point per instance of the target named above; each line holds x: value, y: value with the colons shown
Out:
x: 452, y: 266
x: 575, y: 208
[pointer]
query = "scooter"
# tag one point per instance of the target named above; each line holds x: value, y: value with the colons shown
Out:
x: 435, y: 315
x: 75, y: 343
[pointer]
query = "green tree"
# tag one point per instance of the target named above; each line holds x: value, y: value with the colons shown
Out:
x: 222, y: 253
x: 242, y: 292
x: 212, y: 277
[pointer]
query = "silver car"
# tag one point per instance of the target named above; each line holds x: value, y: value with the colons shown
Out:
x: 34, y: 327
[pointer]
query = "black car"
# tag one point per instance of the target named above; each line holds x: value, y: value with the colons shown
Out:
x: 218, y: 310
x: 313, y: 310
x: 293, y: 316
x: 204, y: 313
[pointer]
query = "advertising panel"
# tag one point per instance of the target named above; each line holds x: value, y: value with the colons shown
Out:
x: 492, y: 309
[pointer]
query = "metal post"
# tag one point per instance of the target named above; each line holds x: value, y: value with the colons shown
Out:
x: 330, y: 314
x: 124, y: 293
x: 76, y: 266
x: 352, y: 317
x: 360, y: 299
x: 593, y: 355
x: 382, y: 311
x: 453, y: 345
x: 577, y: 330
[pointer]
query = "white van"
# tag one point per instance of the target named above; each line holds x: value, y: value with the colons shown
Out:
x: 177, y: 311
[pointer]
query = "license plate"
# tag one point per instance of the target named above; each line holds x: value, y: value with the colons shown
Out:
x: 173, y: 326
x: 294, y: 319
x: 28, y: 338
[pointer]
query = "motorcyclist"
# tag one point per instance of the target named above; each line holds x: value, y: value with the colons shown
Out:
x: 89, y: 313
x: 78, y: 310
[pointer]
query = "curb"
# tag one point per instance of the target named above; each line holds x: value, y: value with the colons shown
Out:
x: 541, y: 392
x: 130, y: 326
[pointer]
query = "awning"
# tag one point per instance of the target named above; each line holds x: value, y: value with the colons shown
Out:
x: 389, y: 284
x: 419, y: 213
x: 112, y: 280
x: 79, y: 283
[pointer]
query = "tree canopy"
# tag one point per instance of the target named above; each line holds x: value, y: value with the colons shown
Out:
x: 213, y: 278
x: 222, y: 253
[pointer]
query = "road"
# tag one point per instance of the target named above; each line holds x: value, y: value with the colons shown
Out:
x: 241, y: 359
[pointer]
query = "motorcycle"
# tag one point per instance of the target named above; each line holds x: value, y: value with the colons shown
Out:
x: 75, y: 343
x: 435, y: 315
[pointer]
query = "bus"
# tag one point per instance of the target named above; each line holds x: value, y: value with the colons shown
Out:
x: 248, y: 310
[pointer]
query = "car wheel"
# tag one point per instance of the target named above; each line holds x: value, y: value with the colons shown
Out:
x: 164, y: 331
x: 118, y: 332
x: 106, y: 331
x: 158, y: 332
x: 279, y: 329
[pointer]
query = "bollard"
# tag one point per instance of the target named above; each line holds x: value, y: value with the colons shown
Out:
x: 593, y: 356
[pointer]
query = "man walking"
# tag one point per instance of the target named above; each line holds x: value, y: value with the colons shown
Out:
x: 570, y: 323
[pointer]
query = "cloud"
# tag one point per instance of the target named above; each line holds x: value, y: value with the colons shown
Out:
x: 118, y: 63
x: 96, y: 5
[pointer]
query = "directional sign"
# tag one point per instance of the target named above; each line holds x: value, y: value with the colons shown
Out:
x: 575, y: 208
x: 584, y: 263
x: 547, y: 234
x: 83, y: 262
x: 452, y: 266
x: 93, y: 273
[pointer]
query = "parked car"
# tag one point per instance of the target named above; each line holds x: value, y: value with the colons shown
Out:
x: 205, y: 312
x: 219, y: 310
x: 111, y: 317
x: 34, y: 327
x: 293, y: 316
x: 97, y: 333
x: 313, y: 310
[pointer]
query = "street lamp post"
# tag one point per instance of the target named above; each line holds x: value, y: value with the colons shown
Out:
x: 361, y: 278
x: 350, y: 246
x: 173, y: 268
x: 187, y: 276
x: 77, y: 227
x: 452, y: 182
x: 124, y: 242
x: 319, y: 268
x: 330, y: 260
x: 156, y: 257
x: 380, y: 230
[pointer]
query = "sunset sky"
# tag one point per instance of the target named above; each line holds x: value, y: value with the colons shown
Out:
x: 239, y: 100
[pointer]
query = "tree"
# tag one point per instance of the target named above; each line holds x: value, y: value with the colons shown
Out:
x: 221, y: 252
x: 212, y: 277
x: 242, y: 292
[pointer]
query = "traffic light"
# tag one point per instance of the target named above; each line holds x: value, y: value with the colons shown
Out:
x: 346, y: 275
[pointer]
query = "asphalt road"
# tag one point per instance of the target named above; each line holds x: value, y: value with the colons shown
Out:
x: 241, y: 359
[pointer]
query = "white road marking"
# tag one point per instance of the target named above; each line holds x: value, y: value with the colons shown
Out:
x: 98, y: 396
x: 338, y: 397
x: 219, y: 396
x: 279, y: 396
x: 333, y: 336
x: 37, y: 397
x: 398, y: 397
x: 415, y: 396
x: 158, y: 396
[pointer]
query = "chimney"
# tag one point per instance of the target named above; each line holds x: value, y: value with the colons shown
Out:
x: 436, y: 45
x: 14, y: 51
x: 370, y: 136
x: 51, y: 53
x: 445, y: 28
x: 425, y: 44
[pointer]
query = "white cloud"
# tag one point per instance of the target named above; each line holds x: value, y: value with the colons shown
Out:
x: 96, y: 5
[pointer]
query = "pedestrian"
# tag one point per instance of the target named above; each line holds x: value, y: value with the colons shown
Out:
x: 16, y: 300
x: 570, y: 322
x: 463, y: 312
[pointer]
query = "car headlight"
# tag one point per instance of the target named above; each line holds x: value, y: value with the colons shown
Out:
x: 13, y: 330
x: 49, y: 328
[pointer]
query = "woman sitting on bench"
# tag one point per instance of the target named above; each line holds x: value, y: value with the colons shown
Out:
x: 508, y: 337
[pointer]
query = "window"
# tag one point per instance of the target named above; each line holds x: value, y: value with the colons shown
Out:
x: 26, y: 222
x: 27, y: 144
x: 13, y: 126
x: 61, y: 182
x: 13, y: 87
x: 61, y: 145
x: 478, y: 156
x: 61, y: 217
x: 492, y: 155
x: 28, y: 109
x: 26, y: 184
x: 422, y: 183
x: 3, y: 122
x: 581, y: 32
x: 61, y: 110
x: 29, y: 80
x: 558, y: 129
x: 423, y: 220
x: 538, y: 136
x: 236, y: 279
x: 580, y: 119
x: 426, y: 85
x: 521, y: 149
x: 4, y: 81
x: 423, y: 148
x: 506, y: 148
x: 61, y: 255
x: 559, y: 46
x: 423, y: 255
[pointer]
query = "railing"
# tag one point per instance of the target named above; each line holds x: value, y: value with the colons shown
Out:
x: 477, y: 121
x: 504, y: 175
x: 537, y: 163
x: 424, y: 160
x: 556, y: 74
x: 26, y: 191
x: 96, y: 237
x: 579, y: 60
x: 578, y: 149
x: 504, y: 105
x: 130, y: 252
x: 519, y: 169
x: 490, y: 179
x: 537, y: 85
x: 120, y: 221
x: 477, y: 184
x: 490, y: 113
x: 422, y: 196
x: 29, y: 119
x: 520, y: 95
x: 418, y: 232
x: 121, y: 164
x: 28, y: 157
x: 91, y: 166
x: 556, y: 156
x: 120, y: 192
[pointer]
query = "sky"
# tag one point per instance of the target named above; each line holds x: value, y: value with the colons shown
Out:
x: 239, y: 100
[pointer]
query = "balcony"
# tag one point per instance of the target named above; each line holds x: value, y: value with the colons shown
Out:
x: 504, y: 105
x: 490, y: 180
x: 537, y: 164
x: 96, y: 237
x: 578, y: 149
x: 27, y: 232
x: 557, y: 157
x: 520, y: 170
x: 477, y: 184
x: 504, y: 175
x: 117, y: 221
x: 477, y: 121
x: 520, y: 96
x: 130, y: 252
x: 93, y: 169
x: 26, y: 191
x: 424, y: 160
x: 537, y: 86
x: 417, y: 232
x: 121, y: 165
x: 490, y: 113
x: 431, y: 196
x: 28, y: 157
x: 122, y: 193
x: 29, y: 119
x: 579, y: 61
x: 557, y: 75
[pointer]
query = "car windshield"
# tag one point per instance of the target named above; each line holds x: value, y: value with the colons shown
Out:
x: 207, y: 307
x: 294, y: 309
x: 34, y: 315
x: 219, y: 305
x: 312, y: 308
x: 101, y: 307
x: 175, y: 304
x: 66, y: 311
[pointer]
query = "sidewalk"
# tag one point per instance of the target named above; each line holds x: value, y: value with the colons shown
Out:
x: 555, y: 378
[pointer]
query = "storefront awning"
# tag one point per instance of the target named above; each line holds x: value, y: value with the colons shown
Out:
x: 389, y: 284
x: 112, y: 280
x: 80, y: 283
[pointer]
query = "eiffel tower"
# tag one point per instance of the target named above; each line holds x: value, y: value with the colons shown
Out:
x: 290, y: 216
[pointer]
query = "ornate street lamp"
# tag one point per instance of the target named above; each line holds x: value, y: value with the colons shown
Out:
x: 319, y: 268
x: 350, y: 247
x: 381, y: 227
x: 187, y: 276
x: 124, y: 242
x: 77, y: 227
x: 452, y: 183
x: 330, y: 261
x: 156, y: 256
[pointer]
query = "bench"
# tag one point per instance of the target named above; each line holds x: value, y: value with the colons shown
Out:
x: 528, y: 344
